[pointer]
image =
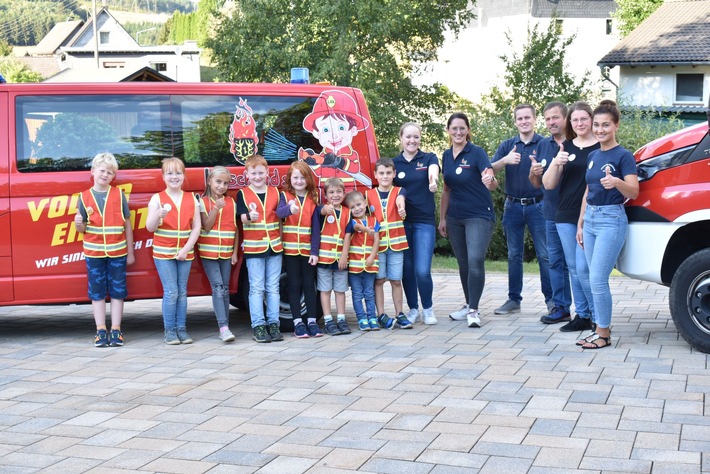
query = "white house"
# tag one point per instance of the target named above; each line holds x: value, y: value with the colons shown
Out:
x: 471, y: 64
x: 71, y: 45
x: 665, y: 62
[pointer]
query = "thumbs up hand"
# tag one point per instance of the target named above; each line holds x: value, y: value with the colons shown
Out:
x: 293, y: 206
x: 513, y: 158
x: 433, y: 185
x: 536, y: 168
x: 608, y: 181
x: 562, y: 157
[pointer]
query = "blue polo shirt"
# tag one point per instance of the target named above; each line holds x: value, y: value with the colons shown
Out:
x: 414, y: 177
x: 621, y: 163
x: 517, y: 180
x: 546, y: 150
x: 468, y: 196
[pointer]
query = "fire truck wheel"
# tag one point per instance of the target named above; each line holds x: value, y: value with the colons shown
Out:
x: 690, y: 300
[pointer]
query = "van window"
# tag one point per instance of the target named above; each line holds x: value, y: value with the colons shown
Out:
x: 64, y: 133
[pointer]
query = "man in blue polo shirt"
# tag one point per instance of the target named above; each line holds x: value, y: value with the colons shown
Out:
x: 555, y: 114
x: 523, y: 207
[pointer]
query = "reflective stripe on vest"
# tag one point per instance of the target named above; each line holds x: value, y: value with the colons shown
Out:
x: 174, y: 231
x: 219, y: 241
x: 331, y: 237
x: 266, y: 232
x: 105, y: 234
x: 296, y: 231
x: 392, y: 233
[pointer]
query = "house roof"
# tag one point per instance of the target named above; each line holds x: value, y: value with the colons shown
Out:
x: 147, y: 74
x: 57, y: 37
x: 46, y: 66
x: 678, y: 33
x: 572, y: 8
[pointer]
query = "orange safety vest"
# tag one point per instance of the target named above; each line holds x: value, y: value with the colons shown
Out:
x: 360, y: 248
x: 392, y: 234
x: 105, y: 234
x: 259, y: 235
x: 219, y: 241
x: 296, y: 232
x: 331, y: 237
x: 174, y: 231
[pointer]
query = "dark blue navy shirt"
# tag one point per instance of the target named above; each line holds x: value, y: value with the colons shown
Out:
x: 620, y: 162
x: 468, y: 196
x: 414, y: 177
x: 517, y: 177
x: 546, y: 150
x: 572, y: 184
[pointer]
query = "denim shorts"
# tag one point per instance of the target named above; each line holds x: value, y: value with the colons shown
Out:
x: 391, y: 265
x: 107, y: 276
x: 332, y: 280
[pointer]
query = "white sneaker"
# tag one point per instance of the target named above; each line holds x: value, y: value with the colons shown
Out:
x: 226, y: 335
x: 413, y: 315
x: 460, y: 315
x: 429, y: 317
x: 473, y: 319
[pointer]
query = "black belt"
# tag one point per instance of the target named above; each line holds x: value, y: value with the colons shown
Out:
x: 524, y: 201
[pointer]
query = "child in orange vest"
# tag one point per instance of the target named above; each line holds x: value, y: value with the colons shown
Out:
x: 174, y: 217
x: 105, y: 220
x: 328, y: 233
x: 256, y: 207
x: 216, y: 244
x: 296, y: 207
x: 360, y: 246
x: 386, y: 203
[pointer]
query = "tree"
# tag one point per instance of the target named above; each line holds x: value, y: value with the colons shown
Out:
x: 375, y: 45
x: 630, y: 13
x: 16, y: 71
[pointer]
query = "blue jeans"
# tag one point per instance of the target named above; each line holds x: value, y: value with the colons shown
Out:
x: 417, y: 264
x: 173, y: 275
x: 559, y: 271
x: 604, y: 236
x: 515, y: 218
x: 469, y: 240
x: 218, y: 272
x: 363, y: 287
x: 578, y: 270
x: 264, y: 274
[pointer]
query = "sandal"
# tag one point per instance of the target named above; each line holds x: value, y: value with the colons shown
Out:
x: 593, y: 344
x: 592, y: 336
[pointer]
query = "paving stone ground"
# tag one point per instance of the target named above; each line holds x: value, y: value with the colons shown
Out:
x: 513, y: 396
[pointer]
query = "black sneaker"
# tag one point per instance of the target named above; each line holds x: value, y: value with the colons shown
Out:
x: 557, y: 315
x: 116, y: 338
x: 101, y: 338
x: 260, y: 334
x: 314, y: 330
x: 403, y: 322
x: 343, y: 326
x: 331, y: 327
x: 275, y: 332
x: 577, y: 324
x: 301, y: 331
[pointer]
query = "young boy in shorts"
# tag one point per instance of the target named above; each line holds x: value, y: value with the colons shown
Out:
x: 105, y: 220
x: 386, y: 203
x: 329, y: 223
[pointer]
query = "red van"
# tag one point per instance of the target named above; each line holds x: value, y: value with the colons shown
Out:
x: 51, y: 132
x: 668, y: 241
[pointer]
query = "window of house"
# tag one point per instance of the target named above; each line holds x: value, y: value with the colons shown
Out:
x: 559, y: 24
x: 609, y: 26
x: 104, y: 37
x: 114, y: 64
x: 160, y: 67
x: 689, y: 88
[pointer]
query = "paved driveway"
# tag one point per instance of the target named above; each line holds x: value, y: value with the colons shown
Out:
x: 512, y: 396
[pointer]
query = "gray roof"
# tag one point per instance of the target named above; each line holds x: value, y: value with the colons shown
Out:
x: 677, y: 33
x: 58, y: 36
x: 573, y: 8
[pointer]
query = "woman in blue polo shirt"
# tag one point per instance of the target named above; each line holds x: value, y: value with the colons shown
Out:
x: 418, y: 173
x: 611, y: 179
x: 467, y: 215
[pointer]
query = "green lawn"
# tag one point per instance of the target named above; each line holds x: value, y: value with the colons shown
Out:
x: 442, y: 264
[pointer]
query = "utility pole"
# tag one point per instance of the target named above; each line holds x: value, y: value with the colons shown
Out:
x: 96, y: 39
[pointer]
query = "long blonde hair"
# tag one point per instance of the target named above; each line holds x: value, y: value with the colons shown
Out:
x: 214, y: 172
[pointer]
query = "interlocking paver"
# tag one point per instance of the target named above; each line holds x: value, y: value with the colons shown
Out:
x: 512, y: 396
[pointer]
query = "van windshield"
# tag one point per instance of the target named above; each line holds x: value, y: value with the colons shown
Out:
x: 64, y: 133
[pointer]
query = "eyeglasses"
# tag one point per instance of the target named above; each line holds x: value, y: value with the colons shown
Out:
x: 580, y: 120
